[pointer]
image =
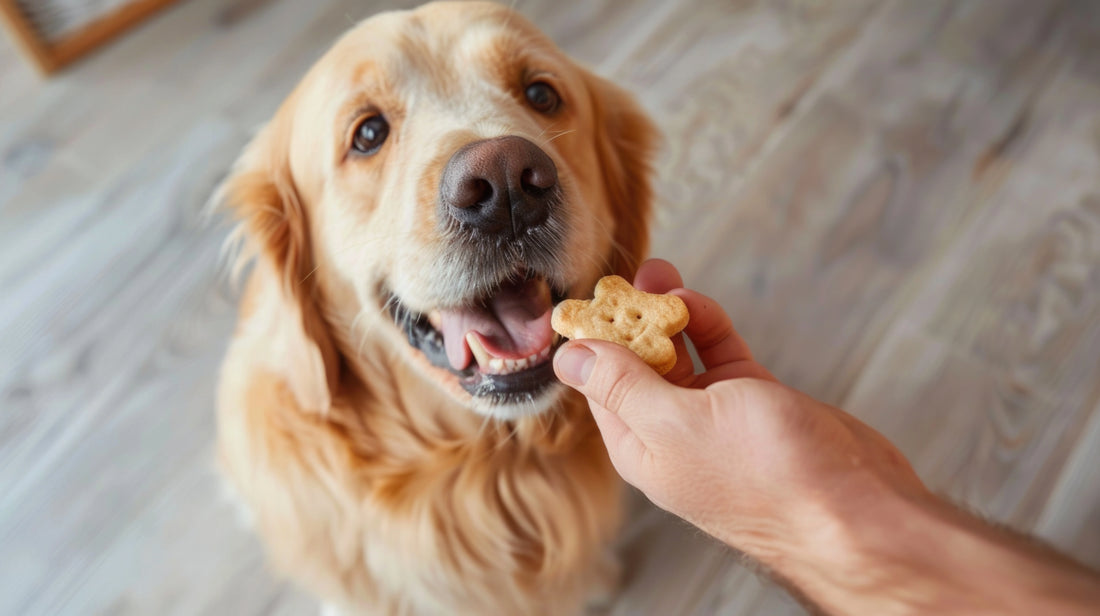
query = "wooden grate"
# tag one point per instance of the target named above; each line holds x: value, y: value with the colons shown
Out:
x: 55, y: 33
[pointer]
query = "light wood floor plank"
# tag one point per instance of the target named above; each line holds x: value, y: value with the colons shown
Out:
x: 1071, y: 517
x: 1015, y: 297
x: 898, y: 201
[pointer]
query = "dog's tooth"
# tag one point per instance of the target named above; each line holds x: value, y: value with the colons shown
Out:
x: 436, y: 319
x: 533, y: 358
x: 520, y: 364
x: 496, y: 365
x: 480, y: 354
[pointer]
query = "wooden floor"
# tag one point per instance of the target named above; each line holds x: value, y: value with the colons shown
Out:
x: 898, y: 201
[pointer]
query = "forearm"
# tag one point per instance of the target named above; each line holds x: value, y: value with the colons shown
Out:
x: 893, y: 555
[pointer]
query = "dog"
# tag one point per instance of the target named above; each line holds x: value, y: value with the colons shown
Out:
x: 387, y: 407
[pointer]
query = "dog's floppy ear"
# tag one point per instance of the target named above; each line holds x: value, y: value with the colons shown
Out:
x: 625, y: 141
x: 274, y: 226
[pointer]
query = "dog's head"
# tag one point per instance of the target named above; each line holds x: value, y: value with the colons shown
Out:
x: 443, y: 176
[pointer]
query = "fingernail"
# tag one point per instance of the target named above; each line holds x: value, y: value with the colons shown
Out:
x: 574, y: 363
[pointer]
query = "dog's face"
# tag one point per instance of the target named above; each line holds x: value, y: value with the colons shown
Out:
x: 454, y: 174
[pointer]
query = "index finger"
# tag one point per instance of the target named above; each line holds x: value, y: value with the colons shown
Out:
x: 711, y: 330
x: 660, y: 276
x: 657, y: 276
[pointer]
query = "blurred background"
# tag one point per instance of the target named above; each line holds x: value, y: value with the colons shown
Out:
x: 898, y: 202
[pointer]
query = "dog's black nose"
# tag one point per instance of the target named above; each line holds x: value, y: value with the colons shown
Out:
x: 502, y: 186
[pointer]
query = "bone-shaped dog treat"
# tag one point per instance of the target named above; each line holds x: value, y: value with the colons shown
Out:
x: 642, y: 322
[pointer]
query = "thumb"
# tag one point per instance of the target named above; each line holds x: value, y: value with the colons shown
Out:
x: 615, y: 379
x: 626, y: 397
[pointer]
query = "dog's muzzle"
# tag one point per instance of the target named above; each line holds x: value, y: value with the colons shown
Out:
x: 500, y: 204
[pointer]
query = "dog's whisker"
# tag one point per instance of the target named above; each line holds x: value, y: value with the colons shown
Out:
x: 542, y: 424
x: 311, y: 272
x: 560, y: 134
x: 363, y: 336
x: 510, y: 13
x: 511, y: 434
x: 486, y: 422
x: 615, y: 244
x: 545, y: 130
x: 237, y: 252
x: 370, y: 241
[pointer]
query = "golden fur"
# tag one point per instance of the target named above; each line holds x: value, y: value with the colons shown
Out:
x: 372, y: 478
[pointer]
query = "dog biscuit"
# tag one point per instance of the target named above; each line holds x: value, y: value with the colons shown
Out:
x: 642, y: 322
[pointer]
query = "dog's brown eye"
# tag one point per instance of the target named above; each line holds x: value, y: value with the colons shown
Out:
x: 542, y: 97
x: 370, y: 134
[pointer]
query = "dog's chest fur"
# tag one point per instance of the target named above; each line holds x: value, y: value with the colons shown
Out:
x: 372, y: 504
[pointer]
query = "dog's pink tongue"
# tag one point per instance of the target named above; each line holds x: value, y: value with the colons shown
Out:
x: 514, y: 324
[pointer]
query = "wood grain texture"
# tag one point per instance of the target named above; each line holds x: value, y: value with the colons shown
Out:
x: 1006, y: 322
x: 54, y: 37
x: 898, y: 202
x: 23, y: 34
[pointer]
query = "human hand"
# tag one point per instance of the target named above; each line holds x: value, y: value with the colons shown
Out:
x: 731, y: 450
x: 813, y: 493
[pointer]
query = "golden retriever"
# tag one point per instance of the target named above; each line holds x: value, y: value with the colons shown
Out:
x: 387, y: 407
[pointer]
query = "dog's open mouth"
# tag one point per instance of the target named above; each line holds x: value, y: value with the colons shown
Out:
x: 499, y: 345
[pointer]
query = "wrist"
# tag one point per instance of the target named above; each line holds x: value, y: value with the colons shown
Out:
x: 851, y: 547
x: 885, y: 551
x: 871, y: 549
